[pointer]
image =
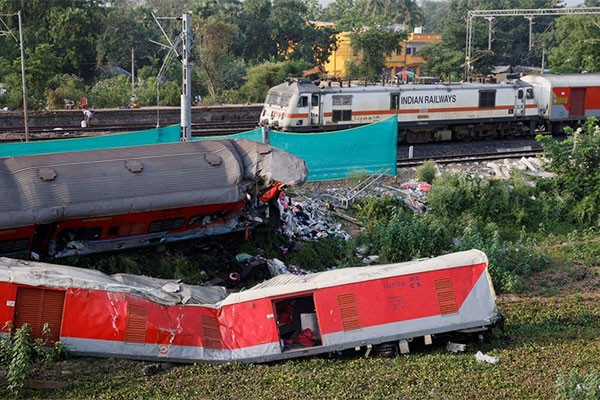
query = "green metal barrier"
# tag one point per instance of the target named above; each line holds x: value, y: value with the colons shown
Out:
x: 168, y: 134
x: 340, y: 154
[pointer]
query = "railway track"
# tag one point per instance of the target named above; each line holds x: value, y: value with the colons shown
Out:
x: 413, y: 162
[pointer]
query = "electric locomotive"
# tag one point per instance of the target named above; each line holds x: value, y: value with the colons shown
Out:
x: 432, y: 112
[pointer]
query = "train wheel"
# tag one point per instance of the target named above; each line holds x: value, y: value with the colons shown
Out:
x: 388, y: 349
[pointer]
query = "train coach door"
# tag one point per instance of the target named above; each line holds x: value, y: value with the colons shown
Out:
x: 315, y: 111
x: 520, y: 103
x: 297, y: 323
x: 577, y: 102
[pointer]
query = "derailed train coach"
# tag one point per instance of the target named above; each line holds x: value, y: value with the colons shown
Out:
x: 285, y: 317
x: 104, y: 200
x: 433, y: 112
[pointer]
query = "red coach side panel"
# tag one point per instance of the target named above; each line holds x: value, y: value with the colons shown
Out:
x: 400, y: 298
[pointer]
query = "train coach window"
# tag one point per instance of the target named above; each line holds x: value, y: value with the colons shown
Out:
x: 302, y: 101
x: 529, y: 93
x: 166, y: 224
x: 487, y: 98
x: 520, y: 94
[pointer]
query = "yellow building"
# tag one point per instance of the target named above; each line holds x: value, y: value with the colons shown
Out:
x: 406, y: 55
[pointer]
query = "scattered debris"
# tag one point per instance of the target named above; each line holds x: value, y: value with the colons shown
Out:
x: 308, y: 220
x: 456, y: 347
x: 481, y: 357
x: 345, y: 200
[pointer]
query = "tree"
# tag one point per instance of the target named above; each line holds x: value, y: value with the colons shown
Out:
x: 374, y: 43
x: 345, y: 15
x: 262, y: 77
x: 125, y: 28
x: 72, y: 31
x: 288, y: 21
x: 511, y: 36
x: 434, y: 13
x: 579, y: 49
x: 213, y: 39
x: 255, y: 44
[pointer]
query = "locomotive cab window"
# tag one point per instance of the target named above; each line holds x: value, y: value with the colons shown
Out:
x: 302, y: 102
x: 529, y: 93
x: 487, y: 98
x: 394, y: 101
x: 520, y: 94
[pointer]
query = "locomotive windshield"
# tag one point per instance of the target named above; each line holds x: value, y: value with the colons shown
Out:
x: 278, y: 99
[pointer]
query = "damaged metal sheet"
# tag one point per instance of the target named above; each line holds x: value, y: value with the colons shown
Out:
x: 285, y: 317
x: 135, y: 196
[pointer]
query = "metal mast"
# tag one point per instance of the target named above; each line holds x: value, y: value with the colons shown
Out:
x: 527, y: 13
x: 186, y: 39
x: 186, y: 97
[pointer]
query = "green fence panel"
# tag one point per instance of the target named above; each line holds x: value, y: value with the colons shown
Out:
x: 168, y: 134
x: 340, y: 154
x: 254, y: 135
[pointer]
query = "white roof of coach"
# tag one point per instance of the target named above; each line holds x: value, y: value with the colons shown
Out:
x: 567, y: 80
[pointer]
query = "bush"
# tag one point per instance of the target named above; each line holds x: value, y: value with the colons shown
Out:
x: 64, y: 86
x: 396, y: 234
x: 426, y: 172
x: 19, y: 354
x: 509, y: 262
x: 578, y: 386
x: 576, y: 163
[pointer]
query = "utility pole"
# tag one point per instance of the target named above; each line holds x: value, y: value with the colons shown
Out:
x: 23, y: 78
x: 132, y: 70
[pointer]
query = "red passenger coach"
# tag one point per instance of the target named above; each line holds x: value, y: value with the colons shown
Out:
x: 285, y: 317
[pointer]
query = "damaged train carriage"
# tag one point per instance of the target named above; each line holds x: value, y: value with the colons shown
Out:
x: 287, y: 316
x: 102, y: 200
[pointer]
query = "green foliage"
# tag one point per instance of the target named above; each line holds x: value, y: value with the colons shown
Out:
x: 426, y: 172
x: 577, y: 47
x: 262, y: 77
x: 462, y: 196
x: 111, y: 92
x: 578, y: 386
x: 374, y: 43
x: 509, y: 262
x: 443, y: 61
x: 62, y: 87
x: 576, y: 162
x: 21, y: 352
x: 398, y: 235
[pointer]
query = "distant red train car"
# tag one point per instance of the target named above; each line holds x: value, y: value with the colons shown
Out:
x: 564, y: 99
x: 285, y: 317
x: 92, y: 201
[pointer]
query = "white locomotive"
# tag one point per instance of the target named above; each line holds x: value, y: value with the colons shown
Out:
x: 436, y: 112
